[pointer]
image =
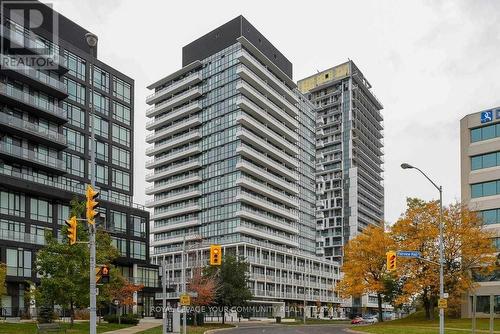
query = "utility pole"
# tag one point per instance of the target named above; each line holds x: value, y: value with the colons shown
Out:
x: 91, y: 40
x: 441, y: 260
x: 183, y: 273
x: 164, y: 296
x: 441, y: 243
x: 304, y: 311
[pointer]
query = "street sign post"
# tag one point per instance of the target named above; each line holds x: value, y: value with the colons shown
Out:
x: 409, y: 254
x: 442, y: 303
x: 185, y: 300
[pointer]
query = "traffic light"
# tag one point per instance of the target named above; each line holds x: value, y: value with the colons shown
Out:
x: 104, y: 274
x: 391, y: 260
x: 72, y: 225
x: 92, y: 204
x: 215, y: 255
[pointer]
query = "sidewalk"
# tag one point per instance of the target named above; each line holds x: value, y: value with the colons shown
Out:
x: 142, y: 326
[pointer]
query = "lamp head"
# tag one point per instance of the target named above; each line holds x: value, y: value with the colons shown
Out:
x: 406, y: 166
x: 91, y: 39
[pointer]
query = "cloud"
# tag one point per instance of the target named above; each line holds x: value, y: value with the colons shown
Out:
x: 430, y: 63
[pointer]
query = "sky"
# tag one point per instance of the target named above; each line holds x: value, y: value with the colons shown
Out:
x: 429, y: 62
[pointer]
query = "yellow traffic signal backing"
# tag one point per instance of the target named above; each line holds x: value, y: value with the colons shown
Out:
x: 391, y: 260
x: 91, y: 205
x: 215, y: 255
x: 72, y: 226
x: 102, y: 274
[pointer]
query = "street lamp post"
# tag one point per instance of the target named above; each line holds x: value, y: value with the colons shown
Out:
x: 441, y: 243
x: 91, y: 40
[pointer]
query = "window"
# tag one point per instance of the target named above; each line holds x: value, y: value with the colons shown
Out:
x: 41, y: 210
x: 18, y: 262
x: 121, y: 135
x: 101, y: 103
x: 485, y: 132
x: 75, y: 64
x: 101, y: 79
x: 121, y: 179
x: 490, y: 216
x: 120, y: 244
x: 137, y: 250
x: 138, y: 225
x: 38, y: 234
x: 496, y: 243
x: 483, y: 303
x: 74, y: 164
x: 121, y: 112
x: 118, y: 221
x: 121, y: 90
x: 12, y: 203
x: 76, y: 91
x: 63, y: 212
x: 75, y: 140
x: 120, y: 157
x: 101, y: 126
x: 76, y: 115
x: 485, y: 160
x: 101, y: 173
x: 101, y: 150
x: 485, y: 189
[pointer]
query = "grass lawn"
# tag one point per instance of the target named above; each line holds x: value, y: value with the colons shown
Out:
x: 416, y: 324
x: 78, y: 328
x: 190, y: 329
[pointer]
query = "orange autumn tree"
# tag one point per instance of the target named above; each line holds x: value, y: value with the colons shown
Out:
x: 467, y: 248
x: 365, y: 265
x: 120, y: 291
x: 205, y: 287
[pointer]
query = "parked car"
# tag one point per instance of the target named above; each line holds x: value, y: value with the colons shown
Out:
x: 372, y: 319
x: 357, y: 321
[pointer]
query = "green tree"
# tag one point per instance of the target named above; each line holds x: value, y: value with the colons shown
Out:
x: 232, y: 279
x: 64, y: 268
x: 3, y: 274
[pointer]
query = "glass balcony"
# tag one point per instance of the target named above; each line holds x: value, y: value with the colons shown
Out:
x: 24, y: 41
x: 22, y: 237
x: 24, y: 127
x: 36, y: 78
x: 32, y: 157
x: 21, y: 98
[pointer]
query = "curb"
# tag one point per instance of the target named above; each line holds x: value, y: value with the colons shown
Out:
x: 210, y: 331
x: 348, y: 330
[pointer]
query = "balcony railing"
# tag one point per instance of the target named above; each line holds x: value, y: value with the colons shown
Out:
x: 30, y: 155
x: 32, y: 101
x: 32, y: 128
x: 22, y: 237
x: 34, y: 74
x: 174, y: 87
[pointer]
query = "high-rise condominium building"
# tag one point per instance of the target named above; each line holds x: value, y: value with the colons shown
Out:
x: 349, y: 170
x: 45, y: 145
x: 480, y: 183
x: 233, y: 163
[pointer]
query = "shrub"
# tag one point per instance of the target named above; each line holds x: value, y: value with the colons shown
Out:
x: 46, y: 314
x: 130, y: 319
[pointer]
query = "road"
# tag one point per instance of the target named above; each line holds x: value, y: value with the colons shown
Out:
x: 286, y: 329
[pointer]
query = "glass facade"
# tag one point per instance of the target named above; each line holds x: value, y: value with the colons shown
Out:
x: 45, y: 131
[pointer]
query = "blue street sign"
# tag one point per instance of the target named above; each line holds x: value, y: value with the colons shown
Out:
x: 409, y: 253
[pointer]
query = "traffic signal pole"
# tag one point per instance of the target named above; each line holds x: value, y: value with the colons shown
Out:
x: 91, y: 40
x: 184, y: 319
